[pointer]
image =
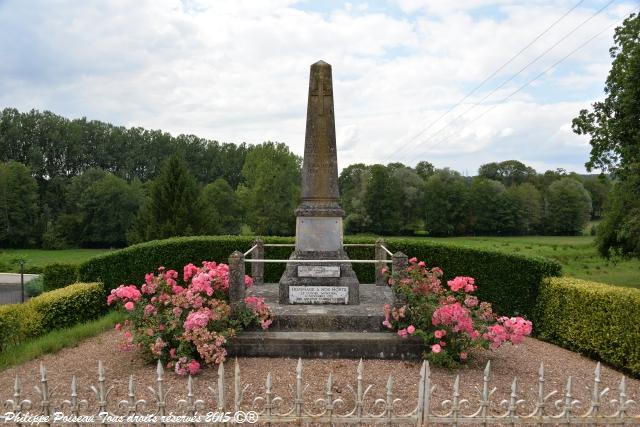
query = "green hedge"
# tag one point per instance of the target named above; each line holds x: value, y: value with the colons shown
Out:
x: 55, y: 276
x: 57, y: 309
x: 596, y: 319
x: 509, y: 281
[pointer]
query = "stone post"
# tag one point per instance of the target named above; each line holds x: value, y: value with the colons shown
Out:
x: 237, y: 287
x: 381, y: 256
x: 257, y: 268
x: 400, y: 262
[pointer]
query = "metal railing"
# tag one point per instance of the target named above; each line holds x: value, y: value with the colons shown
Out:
x: 356, y: 407
x: 238, y: 259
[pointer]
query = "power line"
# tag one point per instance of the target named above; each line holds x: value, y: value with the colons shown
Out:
x: 487, y: 78
x: 563, y: 38
x: 546, y: 70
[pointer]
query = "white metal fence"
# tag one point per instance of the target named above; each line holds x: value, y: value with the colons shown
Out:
x: 268, y: 409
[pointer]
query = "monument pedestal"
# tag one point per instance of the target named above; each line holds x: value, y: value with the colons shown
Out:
x: 319, y: 282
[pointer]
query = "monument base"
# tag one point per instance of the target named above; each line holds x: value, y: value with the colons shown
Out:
x: 319, y: 282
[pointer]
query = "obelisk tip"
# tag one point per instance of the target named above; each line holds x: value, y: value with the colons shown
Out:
x: 321, y: 63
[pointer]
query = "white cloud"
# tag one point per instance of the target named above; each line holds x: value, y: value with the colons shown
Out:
x: 238, y: 71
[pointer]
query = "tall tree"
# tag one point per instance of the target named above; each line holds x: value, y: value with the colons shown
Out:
x: 222, y: 209
x: 446, y: 202
x: 173, y: 208
x: 18, y: 205
x: 613, y: 126
x: 271, y: 188
x: 485, y: 205
x: 509, y: 172
x: 353, y: 182
x: 568, y: 207
x: 411, y: 187
x: 108, y: 208
x: 383, y: 202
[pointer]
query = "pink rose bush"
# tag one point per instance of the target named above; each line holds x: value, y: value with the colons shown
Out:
x: 185, y: 321
x: 449, y: 319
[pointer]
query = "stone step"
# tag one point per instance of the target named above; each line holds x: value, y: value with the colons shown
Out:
x: 348, y: 345
x: 317, y: 319
x: 364, y: 317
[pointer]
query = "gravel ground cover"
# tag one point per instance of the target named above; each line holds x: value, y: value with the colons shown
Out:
x: 506, y: 363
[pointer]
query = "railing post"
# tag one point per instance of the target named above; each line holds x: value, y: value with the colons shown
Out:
x: 381, y: 256
x: 257, y: 268
x: 237, y: 287
x: 399, y: 262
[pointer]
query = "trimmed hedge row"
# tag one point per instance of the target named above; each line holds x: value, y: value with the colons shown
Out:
x: 596, y: 319
x: 509, y: 281
x: 57, y: 309
x: 55, y: 276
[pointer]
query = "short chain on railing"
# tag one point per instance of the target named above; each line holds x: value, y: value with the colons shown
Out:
x: 268, y: 408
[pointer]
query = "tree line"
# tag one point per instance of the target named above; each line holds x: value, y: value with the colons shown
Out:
x: 506, y: 198
x: 57, y: 191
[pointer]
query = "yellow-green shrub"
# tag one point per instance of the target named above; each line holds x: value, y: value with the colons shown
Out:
x: 599, y: 320
x: 57, y: 309
x: 17, y: 323
x: 70, y: 305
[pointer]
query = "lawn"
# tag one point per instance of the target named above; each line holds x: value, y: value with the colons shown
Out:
x: 36, y: 259
x: 577, y: 254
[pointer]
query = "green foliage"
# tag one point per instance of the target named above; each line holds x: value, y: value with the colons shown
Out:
x: 55, y: 341
x: 108, y: 208
x: 222, y: 209
x: 446, y: 197
x: 18, y: 322
x: 18, y: 205
x: 52, y: 310
x: 173, y: 208
x: 271, y: 188
x: 69, y: 305
x: 55, y: 276
x: 614, y: 129
x: 508, y: 281
x: 486, y: 206
x: 569, y: 207
x: 599, y: 189
x: 353, y: 182
x: 410, y: 186
x: 383, y: 202
x: 528, y: 211
x: 593, y: 318
x: 34, y: 287
x: 619, y: 231
x: 509, y: 172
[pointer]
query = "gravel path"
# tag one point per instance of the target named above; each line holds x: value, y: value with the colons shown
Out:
x: 507, y: 362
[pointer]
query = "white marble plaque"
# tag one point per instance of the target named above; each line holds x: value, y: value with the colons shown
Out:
x: 318, y: 295
x: 318, y: 271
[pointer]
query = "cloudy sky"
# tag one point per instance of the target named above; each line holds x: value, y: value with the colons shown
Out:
x: 406, y: 72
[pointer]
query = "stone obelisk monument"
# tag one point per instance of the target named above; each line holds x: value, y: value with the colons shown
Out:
x: 319, y: 216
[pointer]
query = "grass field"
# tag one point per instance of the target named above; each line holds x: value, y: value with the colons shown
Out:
x: 36, y: 259
x: 577, y: 254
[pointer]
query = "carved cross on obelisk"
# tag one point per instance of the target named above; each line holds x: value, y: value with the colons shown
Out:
x: 319, y: 215
x: 320, y: 93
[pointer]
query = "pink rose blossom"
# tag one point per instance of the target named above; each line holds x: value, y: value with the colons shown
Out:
x: 117, y: 326
x: 463, y: 355
x: 129, y: 305
x: 411, y: 329
x: 440, y: 333
x: 436, y: 348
